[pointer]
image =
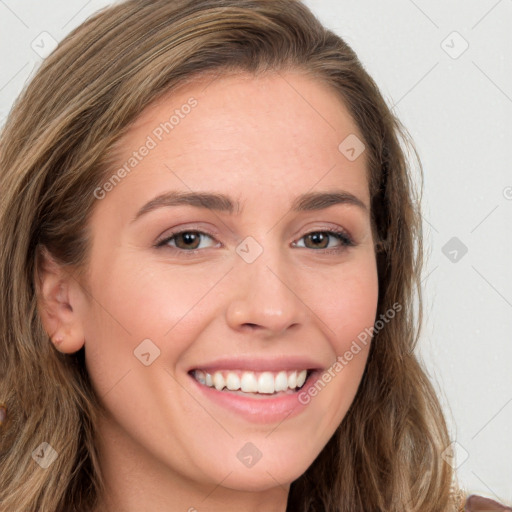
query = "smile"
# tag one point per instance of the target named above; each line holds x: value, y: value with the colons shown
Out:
x: 259, y: 390
x: 249, y: 382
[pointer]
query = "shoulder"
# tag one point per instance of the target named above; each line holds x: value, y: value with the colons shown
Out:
x: 476, y: 503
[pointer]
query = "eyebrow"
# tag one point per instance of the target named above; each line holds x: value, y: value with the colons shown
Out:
x: 310, y: 201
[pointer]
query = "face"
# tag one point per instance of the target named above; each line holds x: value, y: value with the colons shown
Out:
x: 258, y: 283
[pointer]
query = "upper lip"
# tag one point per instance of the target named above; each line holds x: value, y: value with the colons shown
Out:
x: 258, y: 364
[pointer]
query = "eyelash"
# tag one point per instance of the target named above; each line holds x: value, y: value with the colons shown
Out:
x: 342, y: 236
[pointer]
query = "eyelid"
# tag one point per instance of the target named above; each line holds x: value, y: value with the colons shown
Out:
x: 346, y: 239
x: 339, y: 231
x: 202, y: 231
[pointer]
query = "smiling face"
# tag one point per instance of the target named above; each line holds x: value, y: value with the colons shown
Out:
x: 263, y: 280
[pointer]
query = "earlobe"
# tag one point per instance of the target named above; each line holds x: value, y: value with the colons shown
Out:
x: 60, y: 320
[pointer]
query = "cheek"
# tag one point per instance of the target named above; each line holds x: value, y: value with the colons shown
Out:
x: 133, y: 303
x: 347, y: 302
x: 148, y: 301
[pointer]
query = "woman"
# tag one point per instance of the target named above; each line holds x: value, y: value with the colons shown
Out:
x: 258, y: 371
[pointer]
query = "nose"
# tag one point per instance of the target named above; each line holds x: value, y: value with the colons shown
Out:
x: 265, y: 295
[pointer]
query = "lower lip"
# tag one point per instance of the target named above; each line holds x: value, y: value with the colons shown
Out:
x: 260, y: 409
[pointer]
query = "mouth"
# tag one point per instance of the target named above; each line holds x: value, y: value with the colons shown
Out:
x: 256, y: 390
x: 254, y: 384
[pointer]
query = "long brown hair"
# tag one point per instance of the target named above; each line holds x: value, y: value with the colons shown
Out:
x: 54, y: 152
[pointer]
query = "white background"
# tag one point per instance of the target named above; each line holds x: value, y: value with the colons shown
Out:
x: 457, y: 109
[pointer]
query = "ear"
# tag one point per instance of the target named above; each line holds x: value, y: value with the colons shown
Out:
x: 57, y: 300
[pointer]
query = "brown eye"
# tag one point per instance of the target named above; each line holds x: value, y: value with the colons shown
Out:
x: 321, y: 239
x: 187, y: 240
x: 184, y: 240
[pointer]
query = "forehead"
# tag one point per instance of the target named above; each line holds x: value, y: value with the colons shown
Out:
x: 237, y: 131
x: 240, y: 102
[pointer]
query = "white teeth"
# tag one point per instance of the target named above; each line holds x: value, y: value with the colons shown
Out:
x: 233, y: 382
x: 252, y: 382
x: 249, y: 383
x: 301, y: 378
x: 281, y: 383
x: 266, y: 383
x: 218, y: 381
x: 200, y: 377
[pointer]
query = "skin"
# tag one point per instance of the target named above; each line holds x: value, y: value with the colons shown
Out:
x: 264, y: 141
x: 480, y: 504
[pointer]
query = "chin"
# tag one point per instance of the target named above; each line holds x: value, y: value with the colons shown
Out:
x: 276, y: 467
